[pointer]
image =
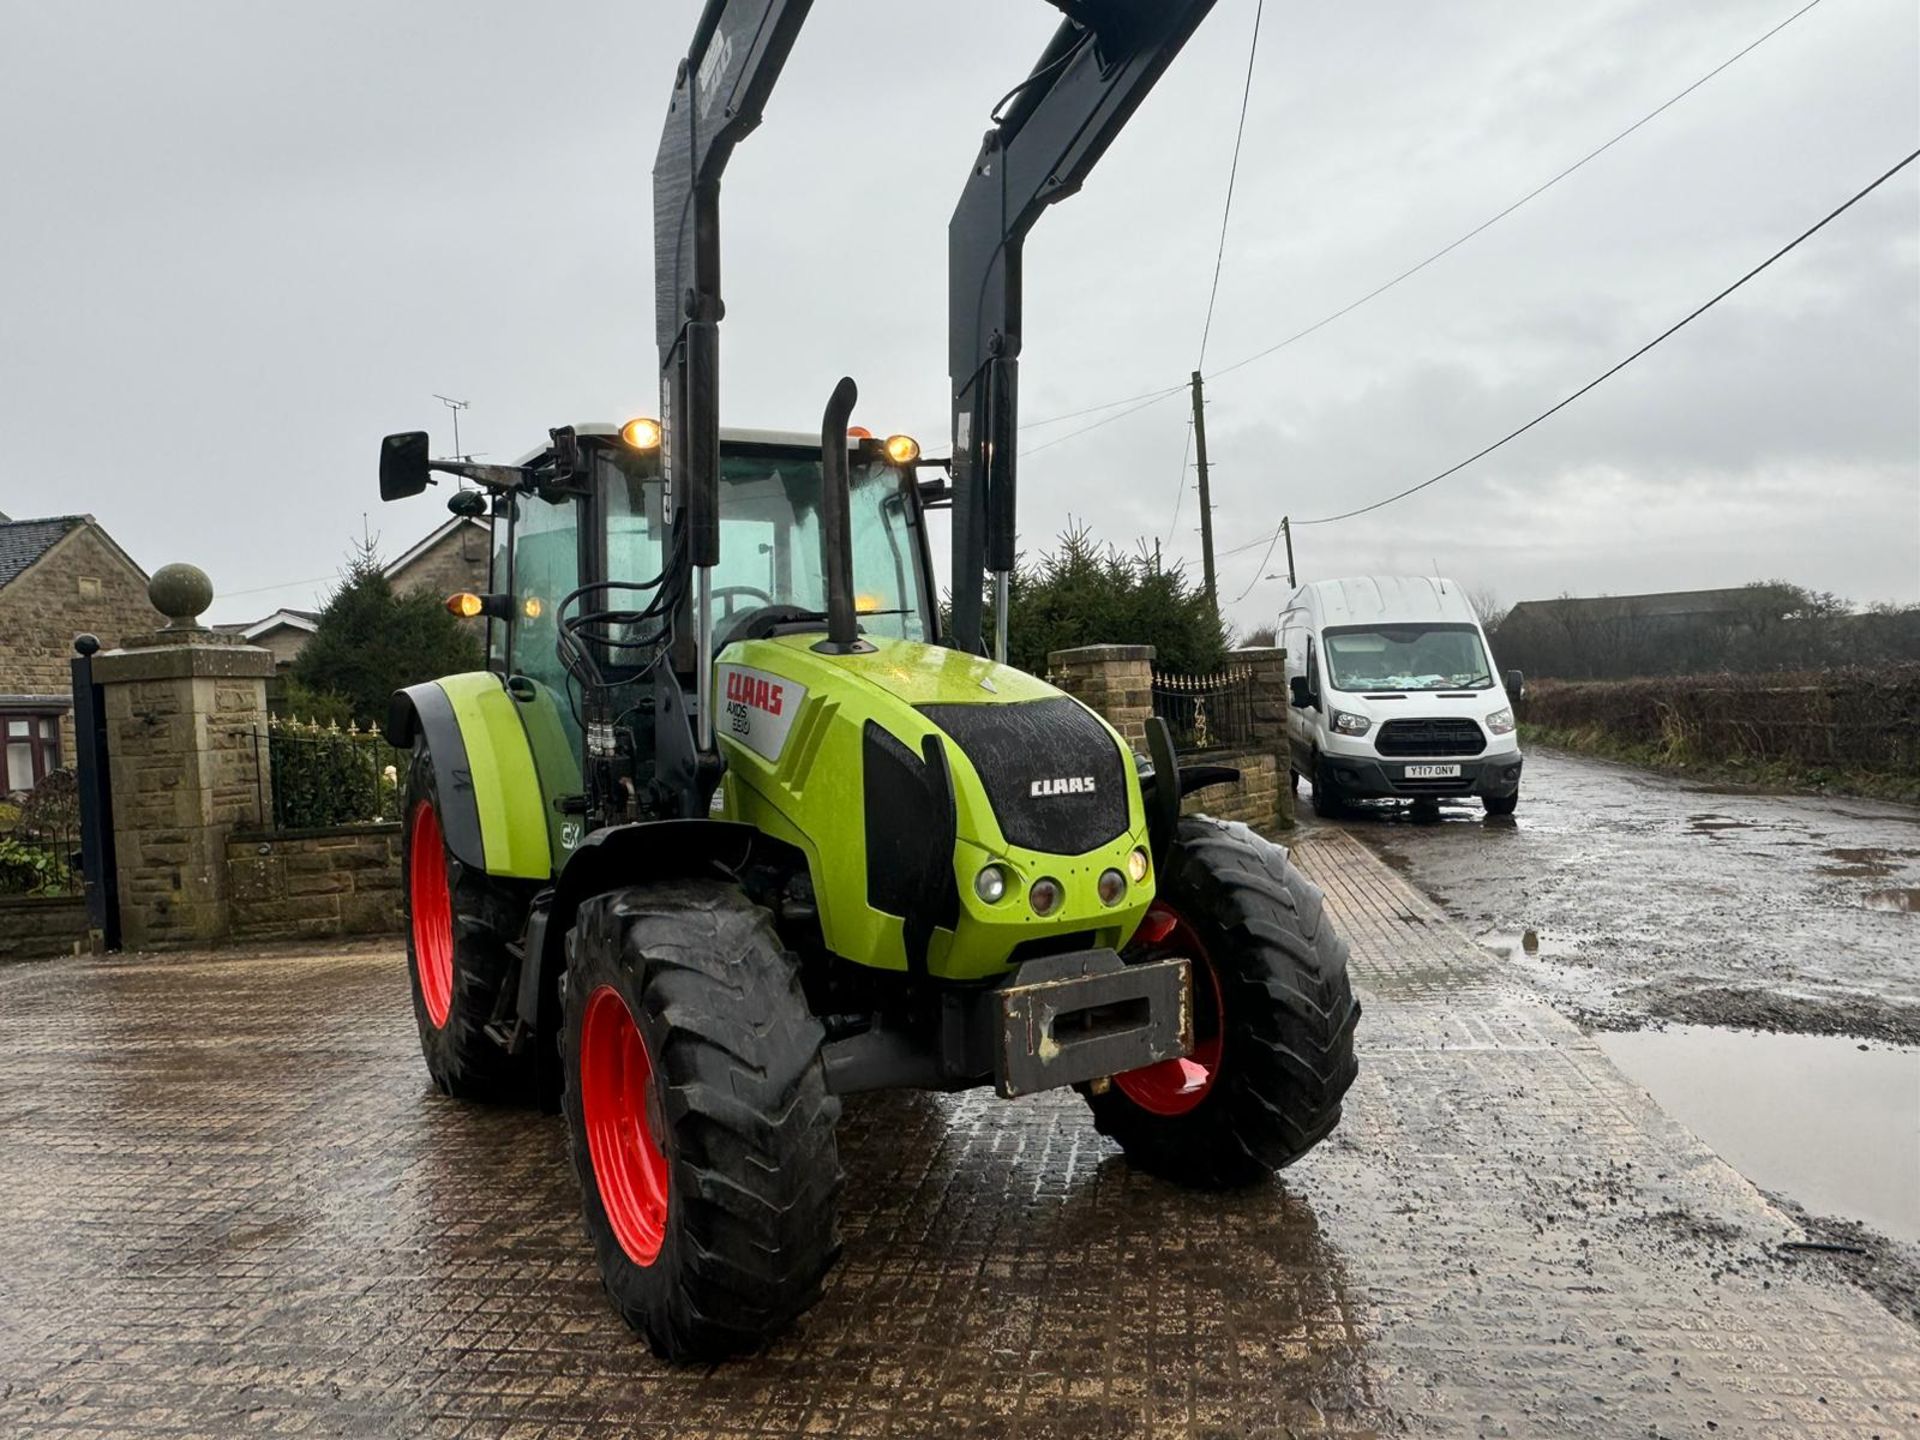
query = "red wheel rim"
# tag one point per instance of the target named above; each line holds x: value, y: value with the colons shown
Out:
x: 1174, y: 1087
x: 431, y: 908
x: 616, y: 1080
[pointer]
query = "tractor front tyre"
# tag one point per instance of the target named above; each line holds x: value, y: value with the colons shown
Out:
x: 459, y: 925
x: 698, y: 1117
x: 1273, y: 1015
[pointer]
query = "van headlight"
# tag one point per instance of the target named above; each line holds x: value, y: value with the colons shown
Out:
x: 1500, y: 722
x: 1349, y: 724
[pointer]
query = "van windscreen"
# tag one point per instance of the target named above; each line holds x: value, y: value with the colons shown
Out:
x: 1406, y: 657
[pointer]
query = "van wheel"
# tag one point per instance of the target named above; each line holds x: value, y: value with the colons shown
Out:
x: 1502, y: 804
x: 1328, y: 802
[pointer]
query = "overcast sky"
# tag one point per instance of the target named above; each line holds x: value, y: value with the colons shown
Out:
x: 243, y: 240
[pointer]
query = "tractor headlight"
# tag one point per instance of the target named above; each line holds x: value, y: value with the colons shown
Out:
x: 990, y: 884
x: 1112, y: 888
x: 1500, y: 722
x: 902, y: 449
x: 1350, y: 724
x: 641, y: 434
x: 1046, y: 896
x: 1137, y: 865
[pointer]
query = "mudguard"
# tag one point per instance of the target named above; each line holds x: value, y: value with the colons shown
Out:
x: 492, y: 809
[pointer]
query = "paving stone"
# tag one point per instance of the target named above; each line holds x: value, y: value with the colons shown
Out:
x: 232, y: 1203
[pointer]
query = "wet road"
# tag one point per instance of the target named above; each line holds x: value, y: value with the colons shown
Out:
x: 231, y: 1203
x: 1630, y: 897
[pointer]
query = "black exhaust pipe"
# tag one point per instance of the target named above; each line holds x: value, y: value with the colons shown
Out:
x: 836, y: 524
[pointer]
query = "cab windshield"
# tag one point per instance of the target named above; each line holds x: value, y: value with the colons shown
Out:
x: 1406, y: 657
x: 770, y: 536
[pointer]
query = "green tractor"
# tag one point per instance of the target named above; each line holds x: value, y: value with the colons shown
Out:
x: 731, y: 827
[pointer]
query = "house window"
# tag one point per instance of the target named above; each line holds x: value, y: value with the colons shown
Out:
x: 33, y: 749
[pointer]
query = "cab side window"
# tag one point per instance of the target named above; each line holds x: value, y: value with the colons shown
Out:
x: 1313, y: 671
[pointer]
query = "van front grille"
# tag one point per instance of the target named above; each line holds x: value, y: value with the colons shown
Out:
x: 1435, y: 736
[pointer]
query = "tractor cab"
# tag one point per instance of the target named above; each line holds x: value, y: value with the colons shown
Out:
x: 587, y: 611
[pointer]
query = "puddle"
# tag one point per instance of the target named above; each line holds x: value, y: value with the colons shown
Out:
x: 1546, y: 944
x: 1818, y: 1118
x: 1866, y: 863
x: 1907, y: 899
x: 1711, y: 824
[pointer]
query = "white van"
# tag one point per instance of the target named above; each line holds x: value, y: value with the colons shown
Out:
x: 1393, y: 695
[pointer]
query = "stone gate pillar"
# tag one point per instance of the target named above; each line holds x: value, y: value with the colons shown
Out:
x: 186, y: 712
x: 1115, y: 680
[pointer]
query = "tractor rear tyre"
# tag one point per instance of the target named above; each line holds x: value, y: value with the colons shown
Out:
x: 459, y: 924
x: 1274, y: 1017
x: 698, y: 1114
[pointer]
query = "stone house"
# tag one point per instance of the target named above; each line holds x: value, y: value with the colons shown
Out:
x: 59, y: 577
x: 453, y: 557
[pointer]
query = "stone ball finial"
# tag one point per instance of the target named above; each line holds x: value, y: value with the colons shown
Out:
x: 86, y: 644
x: 181, y: 593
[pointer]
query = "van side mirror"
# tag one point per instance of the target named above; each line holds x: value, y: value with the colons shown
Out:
x: 403, y: 465
x: 1516, y: 685
x: 1301, y: 696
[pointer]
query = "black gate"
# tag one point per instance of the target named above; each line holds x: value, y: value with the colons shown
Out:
x: 96, y: 796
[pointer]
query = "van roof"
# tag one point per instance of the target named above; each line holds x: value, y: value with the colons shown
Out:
x: 1369, y: 599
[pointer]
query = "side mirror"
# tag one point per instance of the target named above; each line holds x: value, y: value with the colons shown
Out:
x: 403, y: 465
x: 1516, y: 685
x: 1297, y: 689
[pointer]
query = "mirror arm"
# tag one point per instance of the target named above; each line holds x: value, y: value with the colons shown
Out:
x: 493, y: 477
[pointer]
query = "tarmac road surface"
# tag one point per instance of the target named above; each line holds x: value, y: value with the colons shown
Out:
x: 1629, y: 897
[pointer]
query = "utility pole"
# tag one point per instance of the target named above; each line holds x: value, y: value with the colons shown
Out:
x: 1286, y: 529
x: 1206, y: 497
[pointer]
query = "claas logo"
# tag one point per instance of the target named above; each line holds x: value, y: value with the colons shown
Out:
x: 749, y: 690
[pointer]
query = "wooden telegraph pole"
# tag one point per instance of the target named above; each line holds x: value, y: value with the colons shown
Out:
x: 1206, y: 497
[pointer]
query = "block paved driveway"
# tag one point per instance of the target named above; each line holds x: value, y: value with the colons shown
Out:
x: 230, y: 1204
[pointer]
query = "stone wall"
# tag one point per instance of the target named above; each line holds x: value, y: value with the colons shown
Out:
x: 313, y: 884
x: 1256, y: 798
x: 83, y: 584
x: 34, y: 926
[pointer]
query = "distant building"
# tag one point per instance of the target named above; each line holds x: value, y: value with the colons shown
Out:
x: 59, y: 577
x: 453, y: 557
x: 1741, y: 604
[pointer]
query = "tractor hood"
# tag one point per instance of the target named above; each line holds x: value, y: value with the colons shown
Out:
x: 906, y: 770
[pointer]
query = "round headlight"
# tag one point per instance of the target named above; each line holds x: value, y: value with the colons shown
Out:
x: 990, y: 884
x: 1137, y: 865
x: 641, y: 434
x: 1112, y: 887
x: 1046, y: 895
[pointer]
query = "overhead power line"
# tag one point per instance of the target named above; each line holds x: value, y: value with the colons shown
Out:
x: 1233, y: 174
x: 1153, y: 397
x: 1608, y: 374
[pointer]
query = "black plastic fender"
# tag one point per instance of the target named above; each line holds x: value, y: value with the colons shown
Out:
x: 425, y: 710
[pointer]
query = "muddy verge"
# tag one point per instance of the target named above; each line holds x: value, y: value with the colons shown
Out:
x: 1676, y: 1002
x: 1887, y: 1269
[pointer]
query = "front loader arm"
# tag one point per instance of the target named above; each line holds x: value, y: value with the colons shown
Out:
x: 737, y: 53
x: 1093, y: 74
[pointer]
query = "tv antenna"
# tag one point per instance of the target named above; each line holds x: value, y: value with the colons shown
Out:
x: 456, y: 406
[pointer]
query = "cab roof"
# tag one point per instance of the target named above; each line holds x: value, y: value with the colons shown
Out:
x: 729, y: 435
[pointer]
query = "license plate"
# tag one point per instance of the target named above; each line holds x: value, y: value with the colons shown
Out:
x: 1433, y: 772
